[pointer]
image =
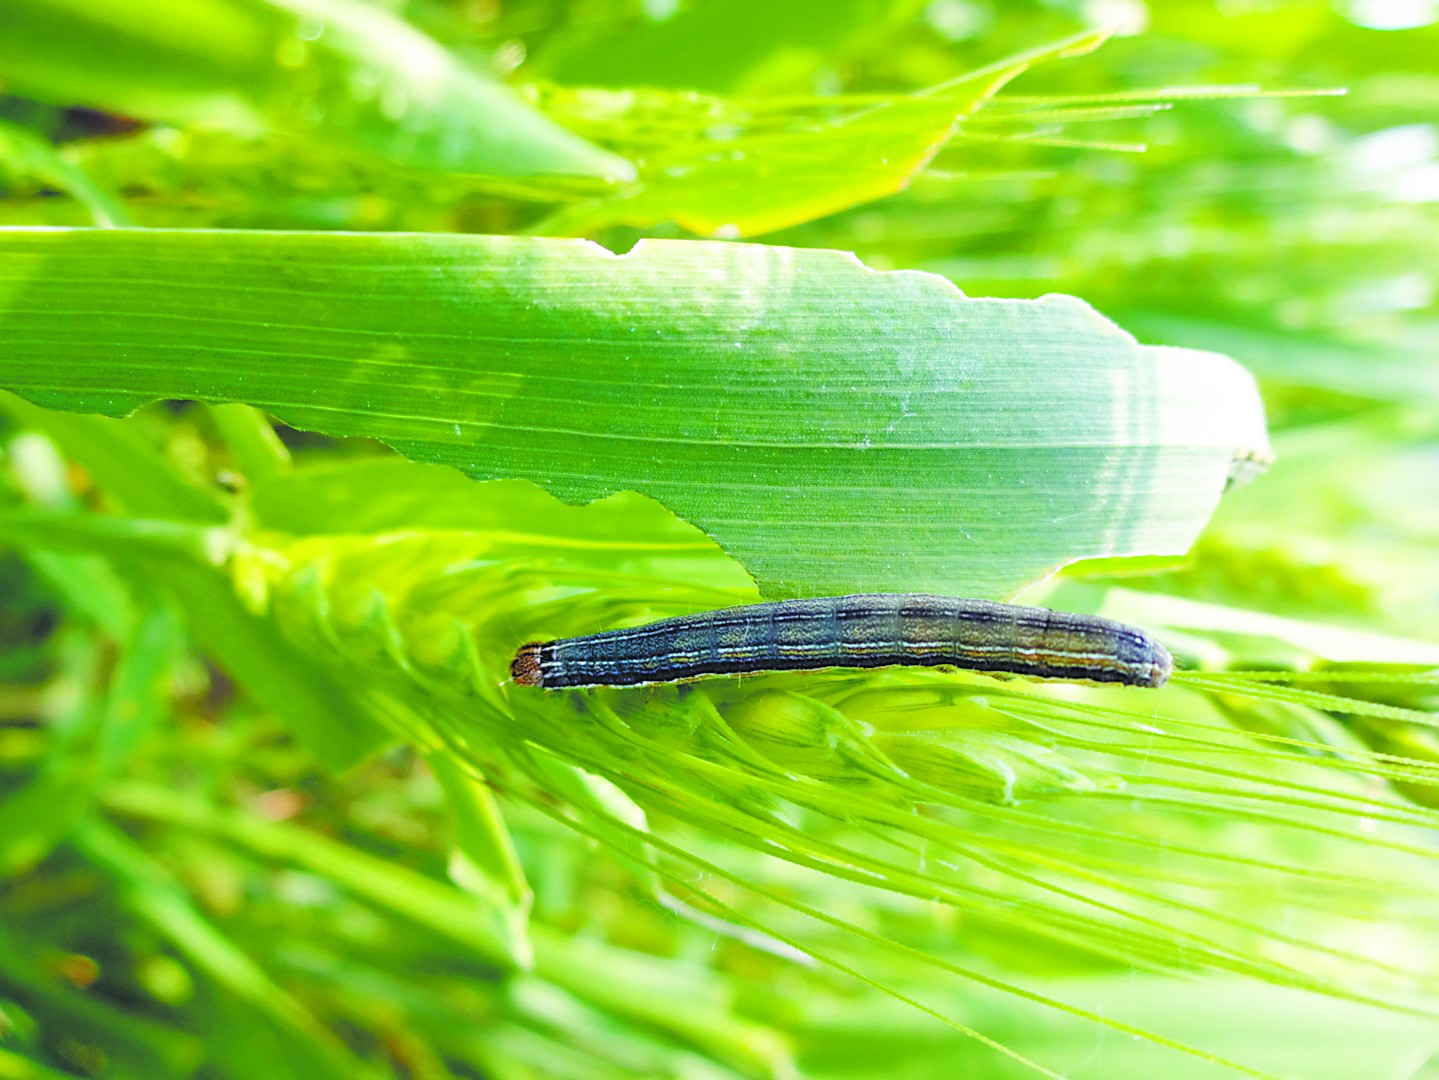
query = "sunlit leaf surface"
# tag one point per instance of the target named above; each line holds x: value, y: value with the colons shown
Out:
x: 742, y: 171
x: 835, y: 429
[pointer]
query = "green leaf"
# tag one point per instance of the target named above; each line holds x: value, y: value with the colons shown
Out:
x: 37, y: 816
x: 91, y: 747
x: 718, y: 44
x: 91, y: 587
x: 158, y: 899
x: 339, y: 727
x: 379, y: 495
x: 676, y: 998
x: 462, y: 918
x: 777, y: 170
x: 348, y: 72
x: 256, y: 448
x: 484, y: 861
x: 833, y: 428
x: 134, y: 1044
x: 29, y: 156
x: 122, y: 464
x: 137, y: 698
x: 15, y: 1067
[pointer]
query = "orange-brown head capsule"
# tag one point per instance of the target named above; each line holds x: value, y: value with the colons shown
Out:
x: 525, y: 667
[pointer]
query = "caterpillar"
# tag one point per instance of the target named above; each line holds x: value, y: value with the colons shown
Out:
x: 863, y: 631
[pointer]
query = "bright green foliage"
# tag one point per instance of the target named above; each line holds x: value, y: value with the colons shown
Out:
x: 774, y: 167
x: 26, y: 157
x: 832, y: 428
x: 269, y: 804
x: 341, y: 70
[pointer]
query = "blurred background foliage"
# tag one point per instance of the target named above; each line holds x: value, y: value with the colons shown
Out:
x: 270, y: 815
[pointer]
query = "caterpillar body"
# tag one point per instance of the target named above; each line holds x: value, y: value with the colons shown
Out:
x: 862, y: 631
